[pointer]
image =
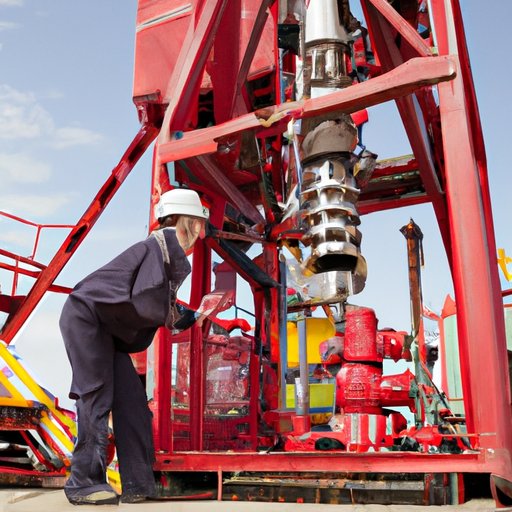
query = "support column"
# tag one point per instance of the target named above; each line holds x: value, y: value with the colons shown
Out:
x: 481, y: 328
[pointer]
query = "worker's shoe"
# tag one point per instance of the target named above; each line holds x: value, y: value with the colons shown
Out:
x: 137, y: 492
x: 95, y: 498
x: 133, y: 498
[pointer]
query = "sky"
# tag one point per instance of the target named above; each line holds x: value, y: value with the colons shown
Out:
x: 67, y: 116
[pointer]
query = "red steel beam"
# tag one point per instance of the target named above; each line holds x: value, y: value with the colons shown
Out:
x: 252, y: 46
x: 474, y: 124
x: 38, y: 227
x: 213, y: 244
x: 403, y: 27
x: 207, y: 167
x: 226, y: 59
x: 48, y: 275
x: 35, y: 274
x: 22, y: 259
x: 200, y: 286
x: 386, y: 462
x: 410, y: 112
x: 183, y: 84
x: 161, y: 406
x: 33, y: 224
x: 401, y: 81
x: 479, y: 307
x: 378, y: 205
x: 480, y: 321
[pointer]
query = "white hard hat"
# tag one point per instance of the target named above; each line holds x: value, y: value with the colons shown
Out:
x: 180, y: 201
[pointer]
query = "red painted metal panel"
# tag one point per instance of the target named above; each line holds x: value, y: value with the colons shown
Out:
x: 391, y: 462
x: 183, y: 86
x: 157, y: 24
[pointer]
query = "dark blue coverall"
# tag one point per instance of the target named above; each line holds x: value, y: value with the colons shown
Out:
x: 115, y: 311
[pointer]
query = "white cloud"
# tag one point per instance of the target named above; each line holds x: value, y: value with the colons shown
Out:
x: 8, y: 93
x: 8, y: 25
x: 11, y: 3
x: 18, y: 238
x: 51, y: 94
x: 21, y: 117
x: 21, y: 168
x: 32, y: 205
x: 73, y: 136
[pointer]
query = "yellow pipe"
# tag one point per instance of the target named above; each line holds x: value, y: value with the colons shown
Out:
x: 32, y: 385
x: 47, y: 422
x: 14, y: 402
x: 9, y: 386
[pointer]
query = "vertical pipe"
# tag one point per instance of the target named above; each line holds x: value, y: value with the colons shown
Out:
x: 254, y: 397
x: 414, y: 236
x: 197, y: 388
x: 201, y: 278
x: 302, y: 382
x: 219, y: 484
x: 283, y: 334
x: 162, y: 391
x: 14, y: 288
x: 162, y: 426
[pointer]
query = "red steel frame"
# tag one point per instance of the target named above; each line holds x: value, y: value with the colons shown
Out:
x: 460, y: 196
x: 30, y: 260
x: 452, y: 168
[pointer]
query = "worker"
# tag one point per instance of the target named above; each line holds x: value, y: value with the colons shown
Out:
x: 111, y: 313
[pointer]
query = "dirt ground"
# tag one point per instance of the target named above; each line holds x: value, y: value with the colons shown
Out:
x: 45, y: 500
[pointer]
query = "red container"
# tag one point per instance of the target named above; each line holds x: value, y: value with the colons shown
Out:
x: 361, y: 335
x: 358, y: 388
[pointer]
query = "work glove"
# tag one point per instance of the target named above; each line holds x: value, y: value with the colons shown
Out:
x: 185, y: 318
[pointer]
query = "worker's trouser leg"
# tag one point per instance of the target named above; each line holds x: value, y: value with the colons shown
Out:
x: 88, y: 468
x: 132, y: 429
x: 126, y: 397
